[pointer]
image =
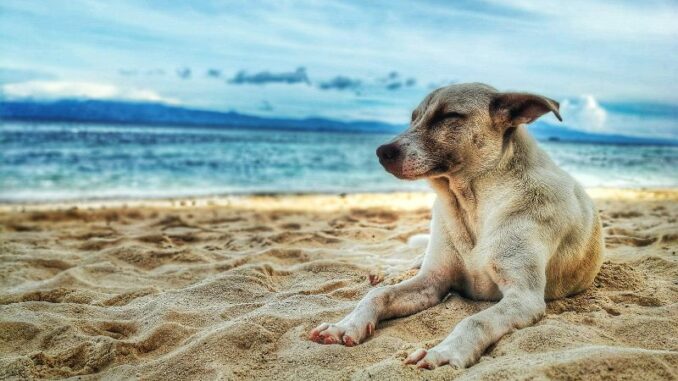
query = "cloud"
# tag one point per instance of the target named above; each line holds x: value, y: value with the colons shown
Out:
x: 584, y: 113
x: 213, y: 73
x: 442, y: 83
x: 11, y: 75
x: 128, y: 72
x: 265, y: 106
x: 394, y: 83
x: 390, y: 77
x: 88, y: 90
x: 341, y: 83
x: 394, y: 86
x: 265, y: 77
x: 135, y: 72
x: 184, y: 73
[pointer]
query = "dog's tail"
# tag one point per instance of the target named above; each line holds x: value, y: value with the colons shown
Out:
x: 418, y: 241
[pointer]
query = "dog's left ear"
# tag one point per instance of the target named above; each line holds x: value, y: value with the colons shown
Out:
x: 514, y: 109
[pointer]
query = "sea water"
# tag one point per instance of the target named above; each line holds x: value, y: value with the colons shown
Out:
x: 61, y: 161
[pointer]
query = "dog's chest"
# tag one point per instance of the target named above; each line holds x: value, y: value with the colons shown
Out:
x: 473, y: 265
x: 477, y: 282
x: 459, y: 225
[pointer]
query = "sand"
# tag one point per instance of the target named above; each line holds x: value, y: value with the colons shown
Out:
x: 228, y: 288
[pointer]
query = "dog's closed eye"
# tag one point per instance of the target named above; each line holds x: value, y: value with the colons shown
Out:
x: 451, y: 116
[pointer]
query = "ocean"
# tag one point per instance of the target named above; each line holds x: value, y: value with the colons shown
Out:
x: 62, y: 161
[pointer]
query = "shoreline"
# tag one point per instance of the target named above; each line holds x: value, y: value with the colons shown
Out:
x: 287, y: 201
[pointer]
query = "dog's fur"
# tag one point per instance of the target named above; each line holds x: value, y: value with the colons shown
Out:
x: 508, y: 225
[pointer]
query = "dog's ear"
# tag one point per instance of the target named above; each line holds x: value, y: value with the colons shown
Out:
x: 513, y: 109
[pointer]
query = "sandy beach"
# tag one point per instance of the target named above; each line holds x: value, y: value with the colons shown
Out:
x: 228, y: 288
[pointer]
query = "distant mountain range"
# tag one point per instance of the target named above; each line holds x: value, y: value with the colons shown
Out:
x: 114, y: 112
x: 131, y: 113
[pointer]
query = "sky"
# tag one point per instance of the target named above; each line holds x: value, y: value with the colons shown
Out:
x: 610, y: 64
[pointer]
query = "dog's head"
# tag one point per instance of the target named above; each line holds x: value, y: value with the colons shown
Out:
x: 460, y: 128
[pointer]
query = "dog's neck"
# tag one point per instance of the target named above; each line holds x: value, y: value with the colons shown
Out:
x: 519, y: 152
x: 459, y: 199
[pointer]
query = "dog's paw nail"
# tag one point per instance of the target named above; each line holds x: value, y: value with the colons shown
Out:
x: 415, y: 356
x: 315, y: 334
x: 348, y: 341
x: 370, y: 329
x: 329, y: 340
x: 423, y: 364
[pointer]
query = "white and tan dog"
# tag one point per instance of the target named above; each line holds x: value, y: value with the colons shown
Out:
x: 508, y: 225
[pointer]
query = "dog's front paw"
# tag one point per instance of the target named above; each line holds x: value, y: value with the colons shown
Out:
x: 435, y: 357
x: 346, y: 333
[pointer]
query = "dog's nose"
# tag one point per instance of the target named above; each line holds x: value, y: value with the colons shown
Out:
x: 388, y: 152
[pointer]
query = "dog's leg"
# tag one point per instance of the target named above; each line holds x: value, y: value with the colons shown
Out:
x: 413, y: 295
x: 521, y: 279
x: 437, y: 275
x: 469, y: 339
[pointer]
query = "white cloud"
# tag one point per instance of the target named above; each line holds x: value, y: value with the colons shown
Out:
x: 71, y: 89
x: 584, y: 113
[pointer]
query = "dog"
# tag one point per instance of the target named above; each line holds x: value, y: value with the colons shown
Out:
x: 508, y: 224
